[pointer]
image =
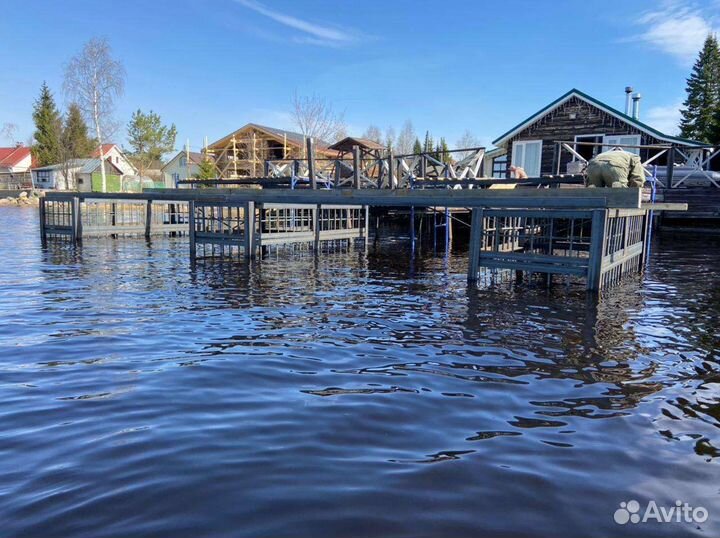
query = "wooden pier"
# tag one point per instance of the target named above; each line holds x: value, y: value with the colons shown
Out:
x: 599, y: 235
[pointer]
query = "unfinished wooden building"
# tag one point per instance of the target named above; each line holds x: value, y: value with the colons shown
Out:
x: 243, y: 153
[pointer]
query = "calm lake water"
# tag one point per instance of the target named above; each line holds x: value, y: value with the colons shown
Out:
x: 350, y: 395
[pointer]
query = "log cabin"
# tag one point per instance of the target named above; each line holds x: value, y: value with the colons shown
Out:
x: 579, y: 118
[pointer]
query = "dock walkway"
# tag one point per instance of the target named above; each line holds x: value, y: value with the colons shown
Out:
x: 599, y: 235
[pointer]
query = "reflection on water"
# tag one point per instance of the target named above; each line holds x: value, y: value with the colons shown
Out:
x: 353, y: 394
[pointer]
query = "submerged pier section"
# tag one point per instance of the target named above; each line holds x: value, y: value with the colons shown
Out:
x: 599, y: 235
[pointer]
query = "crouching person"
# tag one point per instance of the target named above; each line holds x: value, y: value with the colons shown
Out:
x: 615, y: 169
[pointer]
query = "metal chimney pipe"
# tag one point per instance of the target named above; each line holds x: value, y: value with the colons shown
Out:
x: 628, y: 94
x: 636, y: 106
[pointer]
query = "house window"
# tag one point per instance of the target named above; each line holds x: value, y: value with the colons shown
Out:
x: 176, y: 178
x: 183, y: 161
x: 619, y: 141
x: 499, y: 166
x: 42, y: 176
x: 527, y: 154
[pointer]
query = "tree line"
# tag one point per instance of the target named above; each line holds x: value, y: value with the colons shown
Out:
x: 93, y: 81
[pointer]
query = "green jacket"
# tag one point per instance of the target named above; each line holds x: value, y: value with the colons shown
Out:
x: 625, y: 165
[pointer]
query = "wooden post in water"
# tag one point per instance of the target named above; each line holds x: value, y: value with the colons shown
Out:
x: 249, y: 235
x: 75, y: 223
x: 356, y: 167
x: 317, y: 215
x: 148, y: 218
x: 597, y: 248
x: 366, y: 212
x: 476, y: 236
x: 42, y: 213
x: 191, y: 230
x: 311, y: 162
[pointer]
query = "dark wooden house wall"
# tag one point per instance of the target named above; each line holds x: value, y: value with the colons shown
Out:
x: 557, y: 125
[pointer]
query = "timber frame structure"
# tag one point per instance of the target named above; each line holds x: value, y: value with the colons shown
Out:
x: 243, y: 152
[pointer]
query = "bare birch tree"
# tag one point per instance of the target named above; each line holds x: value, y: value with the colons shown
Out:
x: 467, y: 141
x: 9, y: 132
x: 314, y: 117
x: 373, y: 133
x: 93, y: 80
x: 406, y: 139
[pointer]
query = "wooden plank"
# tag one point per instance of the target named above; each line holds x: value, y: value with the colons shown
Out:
x: 667, y: 206
x: 534, y: 267
x: 574, y: 261
x: 523, y: 198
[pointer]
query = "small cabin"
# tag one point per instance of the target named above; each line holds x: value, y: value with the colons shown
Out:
x: 589, y: 125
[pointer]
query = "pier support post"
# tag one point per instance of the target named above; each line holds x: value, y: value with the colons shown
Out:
x: 412, y: 227
x: 356, y: 167
x: 597, y: 249
x: 476, y: 235
x: 249, y: 235
x: 366, y: 224
x: 76, y: 221
x: 42, y: 213
x: 148, y: 219
x: 317, y: 215
x: 191, y: 230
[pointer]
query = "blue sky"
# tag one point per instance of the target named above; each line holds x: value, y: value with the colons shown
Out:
x: 212, y: 66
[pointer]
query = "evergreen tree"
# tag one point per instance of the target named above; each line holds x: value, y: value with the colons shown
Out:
x: 149, y: 138
x: 46, y: 145
x: 428, y: 147
x: 444, y: 153
x: 76, y: 143
x: 417, y: 147
x: 207, y: 170
x: 702, y: 106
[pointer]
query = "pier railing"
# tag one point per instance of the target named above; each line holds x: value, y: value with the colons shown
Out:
x: 599, y: 245
x: 64, y: 214
x: 597, y: 234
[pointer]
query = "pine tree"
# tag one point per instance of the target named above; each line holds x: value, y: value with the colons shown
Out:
x: 444, y: 152
x: 149, y: 138
x: 417, y: 147
x: 702, y: 106
x: 428, y: 146
x: 76, y: 143
x: 46, y: 146
x: 206, y: 170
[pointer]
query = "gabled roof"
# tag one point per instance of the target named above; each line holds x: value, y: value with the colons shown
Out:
x: 195, y: 157
x: 13, y: 156
x: 81, y: 166
x: 602, y: 106
x: 348, y: 142
x: 296, y: 139
x: 106, y: 149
